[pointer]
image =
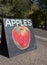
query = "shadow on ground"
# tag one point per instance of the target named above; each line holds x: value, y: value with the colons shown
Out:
x: 3, y: 52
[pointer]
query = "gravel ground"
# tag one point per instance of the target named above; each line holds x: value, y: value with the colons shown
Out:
x: 35, y: 57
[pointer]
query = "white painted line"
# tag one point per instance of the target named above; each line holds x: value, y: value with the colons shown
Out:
x: 39, y: 37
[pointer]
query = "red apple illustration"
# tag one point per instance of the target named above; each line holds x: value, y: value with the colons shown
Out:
x: 21, y: 37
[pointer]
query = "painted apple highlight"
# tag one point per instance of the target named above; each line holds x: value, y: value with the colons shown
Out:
x: 21, y: 37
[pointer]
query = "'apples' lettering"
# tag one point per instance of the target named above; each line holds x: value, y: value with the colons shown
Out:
x: 17, y: 22
x: 13, y: 21
x: 29, y: 22
x: 8, y: 23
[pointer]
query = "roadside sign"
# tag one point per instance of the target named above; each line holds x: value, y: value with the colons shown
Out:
x: 17, y: 36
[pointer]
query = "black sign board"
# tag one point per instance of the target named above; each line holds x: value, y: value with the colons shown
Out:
x: 17, y: 36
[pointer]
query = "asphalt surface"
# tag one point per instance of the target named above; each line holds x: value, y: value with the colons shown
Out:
x: 35, y: 57
x: 40, y: 32
x: 41, y: 35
